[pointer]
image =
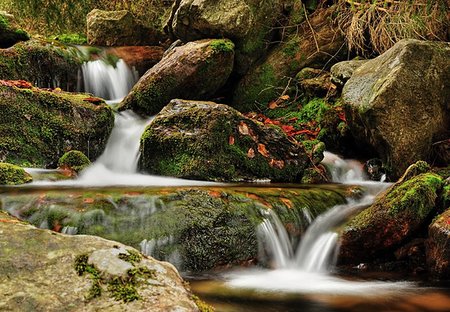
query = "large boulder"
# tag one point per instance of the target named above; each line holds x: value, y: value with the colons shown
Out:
x: 118, y: 28
x: 10, y: 34
x: 398, y: 103
x: 209, y: 141
x: 249, y: 23
x: 438, y: 246
x: 39, y: 126
x: 46, y: 64
x: 393, y: 218
x: 37, y: 266
x: 193, y: 71
x: 313, y: 45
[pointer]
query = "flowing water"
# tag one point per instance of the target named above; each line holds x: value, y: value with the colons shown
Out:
x: 301, y: 277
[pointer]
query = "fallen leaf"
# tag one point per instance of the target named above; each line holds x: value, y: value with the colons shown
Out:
x: 88, y: 200
x: 94, y: 100
x: 279, y: 164
x: 287, y: 202
x: 215, y: 194
x: 243, y: 128
x: 251, y: 153
x: 284, y: 97
x: 231, y: 140
x: 262, y: 150
x: 27, y: 116
x: 273, y: 105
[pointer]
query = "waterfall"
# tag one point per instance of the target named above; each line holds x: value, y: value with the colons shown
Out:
x: 307, y: 268
x: 111, y: 82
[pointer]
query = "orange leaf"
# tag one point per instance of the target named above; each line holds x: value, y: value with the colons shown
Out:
x: 251, y: 153
x: 9, y: 221
x: 231, y: 140
x: 262, y: 150
x: 214, y: 194
x: 279, y: 164
x: 94, y: 100
x: 287, y: 202
x: 284, y: 97
x: 88, y: 200
x: 273, y: 105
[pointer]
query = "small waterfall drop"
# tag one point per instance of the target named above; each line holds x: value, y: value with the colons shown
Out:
x: 107, y: 81
x: 307, y: 268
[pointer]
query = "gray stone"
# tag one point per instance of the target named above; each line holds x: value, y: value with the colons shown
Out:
x: 342, y: 71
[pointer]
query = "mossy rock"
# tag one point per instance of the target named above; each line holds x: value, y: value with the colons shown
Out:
x: 195, y: 229
x: 193, y: 71
x: 74, y: 160
x: 45, y: 63
x: 41, y: 263
x: 10, y: 33
x: 119, y: 28
x: 249, y: 23
x: 394, y: 217
x: 438, y: 246
x: 39, y: 126
x: 209, y: 141
x: 13, y: 175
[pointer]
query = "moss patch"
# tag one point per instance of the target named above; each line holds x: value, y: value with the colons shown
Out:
x: 222, y: 45
x: 13, y: 175
x: 74, y: 160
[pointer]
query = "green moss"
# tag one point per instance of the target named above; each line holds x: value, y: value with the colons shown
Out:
x: 74, y: 160
x: 4, y: 24
x: 81, y: 267
x: 76, y: 38
x: 132, y: 256
x: 13, y: 175
x: 222, y: 45
x: 201, y: 305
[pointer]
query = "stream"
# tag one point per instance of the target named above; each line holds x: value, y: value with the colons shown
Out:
x: 298, y: 275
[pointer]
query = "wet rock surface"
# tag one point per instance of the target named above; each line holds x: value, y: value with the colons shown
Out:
x: 398, y: 102
x: 209, y: 141
x: 46, y: 271
x: 195, y: 70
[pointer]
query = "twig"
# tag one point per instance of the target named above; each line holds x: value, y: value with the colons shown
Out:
x: 312, y: 29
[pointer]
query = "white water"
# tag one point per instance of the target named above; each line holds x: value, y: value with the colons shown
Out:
x: 107, y: 81
x: 307, y: 268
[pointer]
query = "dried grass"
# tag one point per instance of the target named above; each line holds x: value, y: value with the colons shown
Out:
x: 372, y: 27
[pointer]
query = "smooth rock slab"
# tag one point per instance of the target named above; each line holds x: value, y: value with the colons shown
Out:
x: 37, y: 273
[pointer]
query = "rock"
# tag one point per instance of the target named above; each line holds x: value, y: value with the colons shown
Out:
x: 398, y: 103
x: 266, y: 81
x: 195, y: 70
x: 74, y: 160
x: 39, y: 126
x: 13, y: 175
x: 41, y: 270
x: 10, y: 34
x: 441, y: 152
x: 315, y: 83
x: 118, y: 28
x: 47, y: 64
x: 342, y: 71
x: 394, y: 217
x: 209, y: 141
x: 248, y: 23
x: 194, y: 228
x: 438, y: 246
x: 142, y: 58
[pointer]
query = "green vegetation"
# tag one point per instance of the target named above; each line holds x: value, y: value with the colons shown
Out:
x: 222, y: 45
x: 78, y: 39
x: 120, y: 288
x: 69, y: 16
x: 13, y: 175
x: 201, y: 305
x: 74, y: 160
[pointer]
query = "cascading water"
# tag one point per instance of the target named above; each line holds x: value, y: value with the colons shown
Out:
x: 308, y: 269
x: 111, y: 82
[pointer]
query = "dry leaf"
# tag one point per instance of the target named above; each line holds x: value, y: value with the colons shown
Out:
x: 287, y: 202
x: 273, y: 105
x: 284, y: 97
x: 251, y: 153
x: 231, y: 140
x: 262, y: 150
x: 88, y: 200
x: 279, y: 164
x: 243, y: 128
